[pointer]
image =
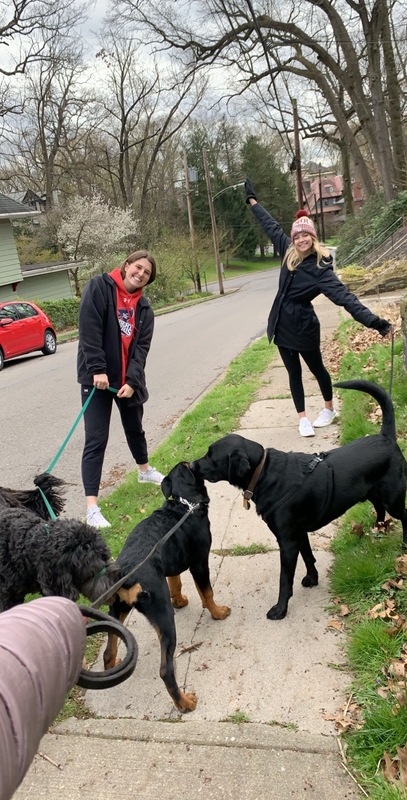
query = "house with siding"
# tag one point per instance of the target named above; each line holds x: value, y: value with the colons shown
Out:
x: 32, y: 281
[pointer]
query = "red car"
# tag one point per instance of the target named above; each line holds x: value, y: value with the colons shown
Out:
x: 24, y: 328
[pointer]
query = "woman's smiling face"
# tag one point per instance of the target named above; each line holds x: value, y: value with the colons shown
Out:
x: 137, y: 274
x: 304, y: 243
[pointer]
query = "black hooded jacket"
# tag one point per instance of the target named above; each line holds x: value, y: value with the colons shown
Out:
x: 99, y: 349
x: 292, y: 321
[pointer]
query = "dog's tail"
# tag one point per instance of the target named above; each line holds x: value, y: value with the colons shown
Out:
x: 388, y: 428
x: 53, y: 490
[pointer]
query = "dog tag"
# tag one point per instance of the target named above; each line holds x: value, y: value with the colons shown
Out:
x: 246, y: 504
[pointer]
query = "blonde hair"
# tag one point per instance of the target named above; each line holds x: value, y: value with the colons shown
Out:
x: 293, y: 258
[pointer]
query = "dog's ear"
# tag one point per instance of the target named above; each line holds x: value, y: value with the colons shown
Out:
x: 240, y: 469
x: 166, y: 487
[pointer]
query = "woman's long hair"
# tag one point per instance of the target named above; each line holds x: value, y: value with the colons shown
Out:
x: 293, y: 258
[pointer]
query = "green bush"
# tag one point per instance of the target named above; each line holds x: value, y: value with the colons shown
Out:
x: 64, y: 313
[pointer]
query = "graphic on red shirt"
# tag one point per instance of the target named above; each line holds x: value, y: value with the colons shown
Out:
x: 126, y: 320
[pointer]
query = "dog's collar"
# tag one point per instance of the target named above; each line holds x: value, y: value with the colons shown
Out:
x: 248, y: 493
x: 185, y: 502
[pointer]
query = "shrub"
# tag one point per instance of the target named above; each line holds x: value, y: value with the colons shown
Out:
x: 64, y: 313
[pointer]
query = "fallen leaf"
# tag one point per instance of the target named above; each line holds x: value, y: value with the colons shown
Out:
x: 336, y: 624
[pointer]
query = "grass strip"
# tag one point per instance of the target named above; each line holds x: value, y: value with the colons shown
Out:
x: 364, y: 566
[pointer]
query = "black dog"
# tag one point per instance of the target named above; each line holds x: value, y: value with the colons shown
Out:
x: 62, y: 557
x: 296, y: 493
x: 32, y: 499
x: 147, y: 589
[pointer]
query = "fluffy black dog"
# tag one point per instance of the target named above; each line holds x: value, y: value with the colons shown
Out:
x: 32, y: 499
x: 147, y: 590
x: 296, y: 493
x: 62, y: 557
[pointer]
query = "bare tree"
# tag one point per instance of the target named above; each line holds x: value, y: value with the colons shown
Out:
x: 332, y: 45
x: 27, y: 28
x: 46, y: 138
x: 143, y: 109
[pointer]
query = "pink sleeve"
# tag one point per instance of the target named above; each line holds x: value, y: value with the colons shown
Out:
x: 41, y: 650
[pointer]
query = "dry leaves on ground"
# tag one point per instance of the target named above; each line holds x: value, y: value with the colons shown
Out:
x: 362, y: 338
x: 395, y: 769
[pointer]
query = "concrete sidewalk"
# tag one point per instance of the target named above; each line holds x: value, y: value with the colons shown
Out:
x: 284, y: 679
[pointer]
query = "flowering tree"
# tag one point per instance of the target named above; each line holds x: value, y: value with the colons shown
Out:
x: 91, y: 230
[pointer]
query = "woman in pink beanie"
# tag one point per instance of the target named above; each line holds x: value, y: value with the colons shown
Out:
x: 306, y: 272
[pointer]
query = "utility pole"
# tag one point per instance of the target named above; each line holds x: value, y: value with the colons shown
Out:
x: 213, y: 221
x: 297, y: 153
x: 321, y: 206
x: 191, y: 226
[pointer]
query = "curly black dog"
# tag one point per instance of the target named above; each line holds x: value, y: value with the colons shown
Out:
x: 147, y: 589
x: 296, y: 493
x: 32, y: 499
x: 62, y: 557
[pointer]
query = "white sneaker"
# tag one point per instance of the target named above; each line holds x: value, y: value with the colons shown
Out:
x: 306, y: 428
x: 151, y: 475
x: 325, y: 418
x: 95, y: 518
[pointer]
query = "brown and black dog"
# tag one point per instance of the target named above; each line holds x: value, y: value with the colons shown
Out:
x: 296, y: 493
x: 147, y: 589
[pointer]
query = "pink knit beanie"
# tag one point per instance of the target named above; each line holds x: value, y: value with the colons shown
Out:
x: 302, y: 224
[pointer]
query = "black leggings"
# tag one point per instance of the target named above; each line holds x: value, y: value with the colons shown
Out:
x: 97, y: 423
x: 313, y: 360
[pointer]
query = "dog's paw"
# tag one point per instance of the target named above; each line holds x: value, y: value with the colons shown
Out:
x: 220, y: 612
x: 276, y: 612
x: 179, y: 601
x: 188, y: 701
x: 310, y: 580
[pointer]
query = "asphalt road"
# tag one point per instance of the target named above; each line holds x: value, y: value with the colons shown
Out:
x: 191, y: 349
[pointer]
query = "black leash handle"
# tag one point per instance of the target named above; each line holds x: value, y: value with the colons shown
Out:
x: 89, y: 679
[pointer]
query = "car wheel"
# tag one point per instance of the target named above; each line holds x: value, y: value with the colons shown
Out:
x: 50, y: 343
x: 1, y: 359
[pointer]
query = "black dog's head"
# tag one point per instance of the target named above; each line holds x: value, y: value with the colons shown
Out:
x: 186, y: 482
x: 232, y: 458
x: 81, y: 563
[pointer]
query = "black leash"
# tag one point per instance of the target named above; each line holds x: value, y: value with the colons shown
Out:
x: 118, y: 584
x: 391, y: 362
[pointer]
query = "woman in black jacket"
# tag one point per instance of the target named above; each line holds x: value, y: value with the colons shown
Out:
x: 306, y: 272
x: 115, y: 330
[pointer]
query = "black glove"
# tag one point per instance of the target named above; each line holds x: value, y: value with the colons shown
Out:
x: 249, y: 191
x: 383, y: 327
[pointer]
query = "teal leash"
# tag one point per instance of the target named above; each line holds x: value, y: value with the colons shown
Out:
x: 64, y: 444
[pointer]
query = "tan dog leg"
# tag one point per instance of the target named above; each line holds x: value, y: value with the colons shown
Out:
x: 216, y: 612
x: 178, y: 599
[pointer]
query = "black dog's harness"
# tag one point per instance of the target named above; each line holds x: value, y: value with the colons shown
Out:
x: 307, y: 470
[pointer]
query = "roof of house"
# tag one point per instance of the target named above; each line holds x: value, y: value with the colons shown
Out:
x: 10, y: 209
x: 52, y: 266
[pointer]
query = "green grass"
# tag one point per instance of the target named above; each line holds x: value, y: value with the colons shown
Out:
x: 238, y: 717
x: 363, y: 560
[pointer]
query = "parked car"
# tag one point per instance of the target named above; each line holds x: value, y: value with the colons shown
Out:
x: 24, y: 328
